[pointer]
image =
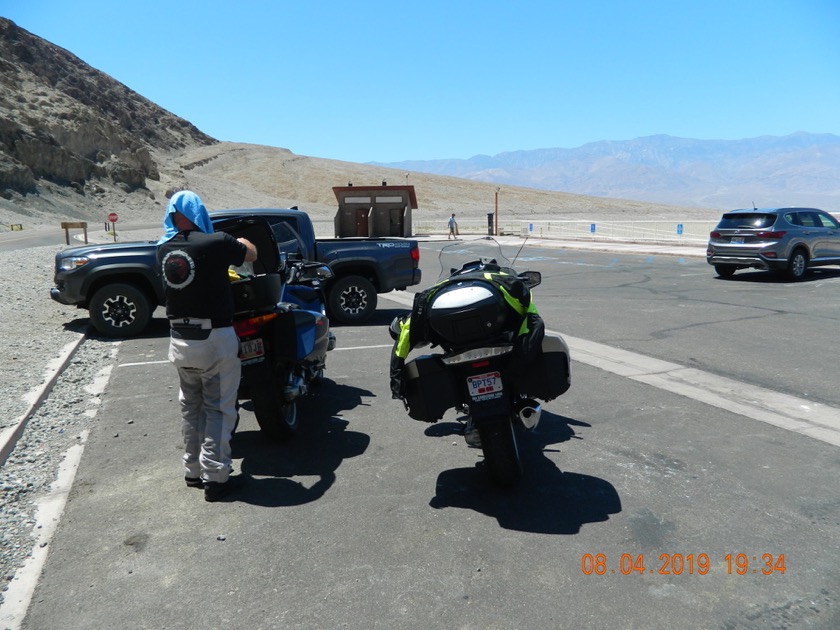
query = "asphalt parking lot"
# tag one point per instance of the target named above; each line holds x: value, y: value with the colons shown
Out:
x: 639, y: 508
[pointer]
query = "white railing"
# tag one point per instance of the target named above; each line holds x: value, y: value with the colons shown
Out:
x: 689, y: 232
x: 634, y: 231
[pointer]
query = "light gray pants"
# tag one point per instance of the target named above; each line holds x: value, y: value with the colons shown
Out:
x: 209, y: 371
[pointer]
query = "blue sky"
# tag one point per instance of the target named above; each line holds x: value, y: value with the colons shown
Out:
x: 385, y: 81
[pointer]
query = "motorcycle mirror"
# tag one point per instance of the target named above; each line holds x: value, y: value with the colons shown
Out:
x: 530, y: 278
x: 324, y: 272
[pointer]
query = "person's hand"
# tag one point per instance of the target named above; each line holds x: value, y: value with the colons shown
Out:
x: 251, y: 250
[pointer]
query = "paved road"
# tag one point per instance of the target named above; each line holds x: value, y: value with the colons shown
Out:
x: 641, y: 508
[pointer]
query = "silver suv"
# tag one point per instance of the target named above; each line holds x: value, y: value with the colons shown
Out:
x: 780, y: 239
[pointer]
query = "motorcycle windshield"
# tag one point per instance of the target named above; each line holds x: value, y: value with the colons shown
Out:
x: 473, y: 255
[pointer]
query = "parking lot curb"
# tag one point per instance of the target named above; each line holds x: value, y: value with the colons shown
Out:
x: 10, y: 435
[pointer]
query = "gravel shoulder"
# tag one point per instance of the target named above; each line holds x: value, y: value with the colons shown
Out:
x: 35, y: 331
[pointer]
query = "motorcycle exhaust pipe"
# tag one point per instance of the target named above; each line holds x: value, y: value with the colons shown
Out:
x: 529, y: 415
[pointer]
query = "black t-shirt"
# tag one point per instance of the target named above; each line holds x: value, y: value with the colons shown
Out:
x: 194, y: 267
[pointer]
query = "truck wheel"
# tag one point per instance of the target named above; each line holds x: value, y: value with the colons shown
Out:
x: 119, y: 310
x: 352, y: 300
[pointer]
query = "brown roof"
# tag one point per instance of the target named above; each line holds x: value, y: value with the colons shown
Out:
x: 341, y: 191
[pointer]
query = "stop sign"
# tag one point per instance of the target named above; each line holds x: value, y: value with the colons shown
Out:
x: 113, y: 217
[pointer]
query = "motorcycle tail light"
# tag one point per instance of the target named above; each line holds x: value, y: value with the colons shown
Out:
x: 477, y: 354
x: 252, y: 325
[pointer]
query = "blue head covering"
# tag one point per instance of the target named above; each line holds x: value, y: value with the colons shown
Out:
x: 189, y: 204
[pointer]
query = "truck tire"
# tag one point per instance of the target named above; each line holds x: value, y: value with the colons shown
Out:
x: 119, y: 310
x: 352, y: 300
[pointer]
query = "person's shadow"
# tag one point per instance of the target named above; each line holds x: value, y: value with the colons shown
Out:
x: 302, y: 468
x: 546, y: 501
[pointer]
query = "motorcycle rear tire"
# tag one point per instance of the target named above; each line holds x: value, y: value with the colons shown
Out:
x: 501, y: 452
x: 278, y: 419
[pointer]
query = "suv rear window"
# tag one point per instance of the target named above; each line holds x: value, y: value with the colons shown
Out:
x: 746, y: 220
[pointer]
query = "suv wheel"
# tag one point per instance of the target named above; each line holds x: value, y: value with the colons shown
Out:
x: 119, y: 310
x: 725, y: 271
x: 798, y: 264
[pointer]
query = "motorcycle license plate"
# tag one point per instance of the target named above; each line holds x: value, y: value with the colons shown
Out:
x: 251, y: 349
x: 481, y: 385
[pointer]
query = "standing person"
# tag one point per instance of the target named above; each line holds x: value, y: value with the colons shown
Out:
x: 203, y: 346
x: 453, y: 227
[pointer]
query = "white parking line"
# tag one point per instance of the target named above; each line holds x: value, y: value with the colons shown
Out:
x: 381, y: 345
x: 799, y: 415
x: 791, y: 413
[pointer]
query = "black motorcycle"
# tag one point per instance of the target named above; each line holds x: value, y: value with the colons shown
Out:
x: 492, y: 368
x: 280, y: 319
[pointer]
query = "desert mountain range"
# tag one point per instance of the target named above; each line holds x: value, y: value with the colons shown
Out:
x: 76, y: 144
x: 799, y: 169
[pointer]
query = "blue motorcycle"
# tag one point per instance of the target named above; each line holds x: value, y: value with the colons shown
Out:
x: 280, y: 319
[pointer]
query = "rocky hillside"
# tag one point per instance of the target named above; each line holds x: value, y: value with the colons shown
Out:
x: 76, y: 144
x: 64, y: 124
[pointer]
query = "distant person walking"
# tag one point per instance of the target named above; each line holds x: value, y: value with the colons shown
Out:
x: 453, y: 227
x: 194, y: 261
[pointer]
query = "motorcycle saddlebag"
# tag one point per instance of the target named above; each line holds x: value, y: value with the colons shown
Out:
x: 429, y: 388
x: 549, y: 374
x: 257, y: 293
x: 300, y: 335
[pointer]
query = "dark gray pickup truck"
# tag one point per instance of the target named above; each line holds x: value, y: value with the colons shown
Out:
x: 119, y: 283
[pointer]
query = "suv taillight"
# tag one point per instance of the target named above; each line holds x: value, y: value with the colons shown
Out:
x: 771, y: 235
x: 714, y: 234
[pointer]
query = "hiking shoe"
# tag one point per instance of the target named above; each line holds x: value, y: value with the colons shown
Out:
x: 194, y: 482
x: 215, y: 490
x: 471, y: 435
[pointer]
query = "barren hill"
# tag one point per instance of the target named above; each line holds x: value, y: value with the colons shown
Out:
x: 75, y: 143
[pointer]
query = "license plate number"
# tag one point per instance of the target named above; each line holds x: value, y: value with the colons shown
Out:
x: 483, y: 384
x: 251, y: 349
x: 737, y: 239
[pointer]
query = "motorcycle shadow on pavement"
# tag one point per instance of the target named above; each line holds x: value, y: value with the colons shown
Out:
x: 380, y: 317
x: 546, y: 501
x: 320, y: 446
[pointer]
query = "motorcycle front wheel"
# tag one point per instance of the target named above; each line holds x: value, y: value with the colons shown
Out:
x: 501, y: 452
x: 277, y: 418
